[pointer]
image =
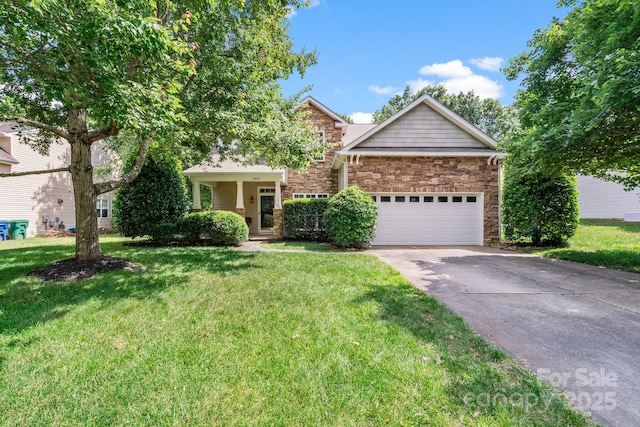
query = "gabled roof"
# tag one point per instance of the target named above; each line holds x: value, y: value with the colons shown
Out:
x: 443, y: 111
x: 340, y: 122
x: 10, y: 128
x: 7, y: 158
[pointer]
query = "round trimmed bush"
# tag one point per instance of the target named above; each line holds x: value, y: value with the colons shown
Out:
x: 220, y: 228
x: 350, y: 218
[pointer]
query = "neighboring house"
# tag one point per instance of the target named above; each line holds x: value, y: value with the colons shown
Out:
x: 45, y: 200
x: 604, y: 199
x: 433, y: 176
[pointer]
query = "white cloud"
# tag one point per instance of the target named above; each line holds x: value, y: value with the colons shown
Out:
x: 488, y: 63
x: 419, y: 83
x: 313, y: 3
x: 382, y: 90
x: 447, y: 70
x: 457, y: 77
x: 482, y: 86
x: 362, y: 117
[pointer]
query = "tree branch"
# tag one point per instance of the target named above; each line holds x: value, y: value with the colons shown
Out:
x: 105, y: 187
x: 110, y: 130
x: 38, y: 125
x: 40, y: 172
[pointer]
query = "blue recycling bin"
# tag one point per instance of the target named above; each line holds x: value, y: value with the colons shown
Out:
x: 4, y: 227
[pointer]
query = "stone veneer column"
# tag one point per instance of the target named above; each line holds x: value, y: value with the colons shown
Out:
x: 240, y: 211
x: 277, y: 223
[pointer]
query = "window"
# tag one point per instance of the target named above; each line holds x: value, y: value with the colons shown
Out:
x: 443, y: 199
x: 457, y: 199
x: 310, y: 195
x: 428, y: 199
x: 102, y: 208
x: 385, y: 198
x: 321, y: 138
x: 471, y: 199
x: 374, y: 198
x: 414, y: 199
x: 400, y: 199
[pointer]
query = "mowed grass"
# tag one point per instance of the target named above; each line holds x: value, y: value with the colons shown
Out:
x: 298, y: 246
x: 210, y: 336
x: 605, y: 243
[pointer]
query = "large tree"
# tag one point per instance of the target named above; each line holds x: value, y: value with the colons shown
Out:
x: 197, y: 73
x: 579, y: 101
x: 488, y: 115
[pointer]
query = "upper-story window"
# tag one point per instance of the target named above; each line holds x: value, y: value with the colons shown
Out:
x: 321, y: 137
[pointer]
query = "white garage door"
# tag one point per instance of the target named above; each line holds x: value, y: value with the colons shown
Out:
x: 429, y: 219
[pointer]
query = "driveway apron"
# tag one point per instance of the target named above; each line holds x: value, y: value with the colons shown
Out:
x: 576, y: 326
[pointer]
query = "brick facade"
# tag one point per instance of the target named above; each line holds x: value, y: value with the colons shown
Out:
x: 319, y: 177
x: 433, y: 175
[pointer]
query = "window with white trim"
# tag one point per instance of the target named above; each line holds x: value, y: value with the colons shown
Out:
x: 310, y: 195
x: 321, y: 137
x: 102, y: 208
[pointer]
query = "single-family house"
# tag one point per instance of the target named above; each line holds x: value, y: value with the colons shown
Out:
x: 45, y: 200
x: 434, y: 177
x: 605, y: 199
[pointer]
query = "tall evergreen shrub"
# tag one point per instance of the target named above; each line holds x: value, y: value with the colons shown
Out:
x: 541, y: 209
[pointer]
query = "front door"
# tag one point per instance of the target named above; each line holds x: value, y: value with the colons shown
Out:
x: 267, y: 202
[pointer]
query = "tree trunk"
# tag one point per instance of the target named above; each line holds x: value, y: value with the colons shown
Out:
x: 87, y: 241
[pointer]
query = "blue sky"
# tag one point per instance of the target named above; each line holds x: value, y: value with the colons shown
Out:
x: 370, y: 50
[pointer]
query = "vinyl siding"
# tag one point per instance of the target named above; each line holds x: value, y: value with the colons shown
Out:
x: 604, y: 199
x: 419, y: 129
x: 31, y: 197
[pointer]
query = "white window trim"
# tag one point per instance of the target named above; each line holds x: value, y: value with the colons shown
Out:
x: 101, y: 208
x: 310, y: 195
x: 323, y: 158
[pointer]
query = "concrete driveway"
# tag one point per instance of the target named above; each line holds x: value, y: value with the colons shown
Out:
x: 576, y: 326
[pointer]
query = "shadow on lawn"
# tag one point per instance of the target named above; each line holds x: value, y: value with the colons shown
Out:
x: 476, y: 370
x: 26, y: 301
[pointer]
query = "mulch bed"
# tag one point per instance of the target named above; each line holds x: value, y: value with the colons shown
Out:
x: 71, y: 269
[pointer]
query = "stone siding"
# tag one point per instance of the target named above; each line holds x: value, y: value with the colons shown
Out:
x: 319, y: 176
x: 433, y: 175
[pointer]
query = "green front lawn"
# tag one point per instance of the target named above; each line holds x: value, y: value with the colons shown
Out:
x: 210, y: 336
x: 605, y: 243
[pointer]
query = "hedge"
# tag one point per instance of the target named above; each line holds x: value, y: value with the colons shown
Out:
x: 303, y: 219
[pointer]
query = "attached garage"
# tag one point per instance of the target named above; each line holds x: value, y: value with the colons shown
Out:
x: 429, y: 219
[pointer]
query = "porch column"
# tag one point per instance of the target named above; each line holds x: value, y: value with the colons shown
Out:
x: 240, y: 198
x: 196, y: 204
x: 277, y: 213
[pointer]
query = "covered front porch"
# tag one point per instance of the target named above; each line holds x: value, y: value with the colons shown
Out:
x: 253, y: 192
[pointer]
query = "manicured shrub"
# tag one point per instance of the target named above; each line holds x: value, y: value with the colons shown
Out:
x: 163, y: 234
x: 541, y: 209
x: 350, y: 218
x: 220, y: 228
x: 303, y: 219
x: 157, y: 196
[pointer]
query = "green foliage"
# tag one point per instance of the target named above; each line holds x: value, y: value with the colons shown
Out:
x: 496, y: 120
x: 542, y: 209
x: 579, y: 97
x: 191, y: 75
x: 303, y: 219
x: 157, y: 197
x: 350, y: 218
x: 218, y: 228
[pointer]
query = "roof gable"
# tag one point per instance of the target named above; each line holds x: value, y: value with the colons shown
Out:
x: 425, y: 124
x: 340, y: 122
